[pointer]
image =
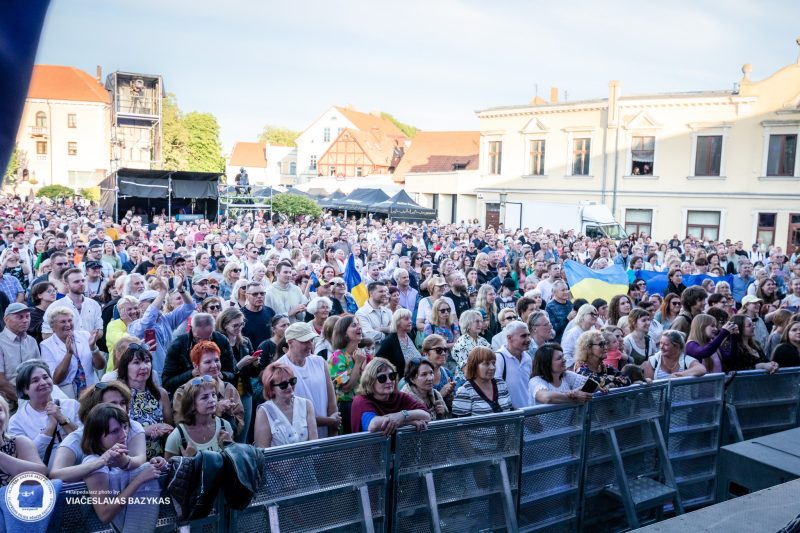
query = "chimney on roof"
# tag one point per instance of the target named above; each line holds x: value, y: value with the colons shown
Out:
x: 99, y: 74
x: 553, y: 95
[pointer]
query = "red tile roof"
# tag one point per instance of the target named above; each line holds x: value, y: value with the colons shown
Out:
x: 439, y: 151
x: 368, y: 122
x: 55, y: 82
x: 249, y: 155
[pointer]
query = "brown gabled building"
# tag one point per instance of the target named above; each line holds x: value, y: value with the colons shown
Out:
x: 440, y: 151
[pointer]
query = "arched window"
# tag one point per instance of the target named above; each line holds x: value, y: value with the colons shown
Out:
x: 41, y: 120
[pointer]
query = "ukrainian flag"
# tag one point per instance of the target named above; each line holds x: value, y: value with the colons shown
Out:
x: 353, y: 281
x: 590, y: 284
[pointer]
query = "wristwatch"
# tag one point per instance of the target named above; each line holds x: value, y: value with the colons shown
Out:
x: 66, y: 422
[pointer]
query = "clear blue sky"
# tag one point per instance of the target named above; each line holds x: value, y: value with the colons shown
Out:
x: 431, y: 63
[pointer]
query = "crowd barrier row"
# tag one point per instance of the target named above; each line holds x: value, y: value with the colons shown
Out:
x: 626, y: 455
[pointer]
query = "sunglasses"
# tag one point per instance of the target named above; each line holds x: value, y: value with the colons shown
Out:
x: 257, y: 293
x: 440, y: 350
x: 383, y: 378
x: 236, y: 270
x: 444, y: 311
x: 214, y: 307
x: 602, y: 344
x: 283, y: 385
x: 201, y: 380
x: 137, y: 346
x: 511, y: 317
x: 338, y: 284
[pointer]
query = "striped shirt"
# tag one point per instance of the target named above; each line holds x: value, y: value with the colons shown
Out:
x: 470, y: 401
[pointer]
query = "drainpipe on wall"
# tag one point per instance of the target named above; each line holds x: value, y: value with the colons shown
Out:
x: 613, y: 122
x: 51, y: 150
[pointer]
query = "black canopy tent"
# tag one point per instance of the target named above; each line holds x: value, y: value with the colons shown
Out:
x: 328, y: 202
x: 360, y: 200
x: 150, y: 192
x: 402, y: 207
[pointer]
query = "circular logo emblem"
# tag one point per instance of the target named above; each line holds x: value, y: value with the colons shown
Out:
x: 30, y: 496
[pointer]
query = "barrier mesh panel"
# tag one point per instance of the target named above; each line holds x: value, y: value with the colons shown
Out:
x: 765, y: 403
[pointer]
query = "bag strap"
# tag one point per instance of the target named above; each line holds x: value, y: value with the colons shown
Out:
x: 505, y: 363
x: 184, y: 442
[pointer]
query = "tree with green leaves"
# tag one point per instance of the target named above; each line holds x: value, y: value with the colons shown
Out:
x: 279, y: 136
x: 54, y: 192
x: 191, y: 140
x: 293, y: 205
x: 407, y: 129
x: 10, y: 176
x: 91, y: 193
x: 176, y: 137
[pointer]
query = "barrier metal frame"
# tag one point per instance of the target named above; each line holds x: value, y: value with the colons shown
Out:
x: 427, y: 466
x: 693, y: 427
x: 372, y: 514
x: 737, y: 422
x: 619, y: 416
x: 540, y: 440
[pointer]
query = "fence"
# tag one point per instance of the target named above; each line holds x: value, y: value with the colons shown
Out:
x: 758, y: 404
x: 551, y: 467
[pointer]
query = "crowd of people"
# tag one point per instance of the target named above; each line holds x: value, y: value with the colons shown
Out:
x: 125, y: 344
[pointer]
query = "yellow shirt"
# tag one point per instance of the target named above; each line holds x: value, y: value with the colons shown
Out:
x: 114, y: 332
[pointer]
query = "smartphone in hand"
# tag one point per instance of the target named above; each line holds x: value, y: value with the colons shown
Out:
x: 590, y: 386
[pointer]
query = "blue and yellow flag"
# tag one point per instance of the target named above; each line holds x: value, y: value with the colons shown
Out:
x: 353, y: 281
x: 590, y: 284
x: 657, y: 281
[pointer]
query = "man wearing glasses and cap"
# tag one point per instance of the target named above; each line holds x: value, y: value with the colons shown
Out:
x: 16, y: 347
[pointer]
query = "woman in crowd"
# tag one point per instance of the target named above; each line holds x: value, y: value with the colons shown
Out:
x: 314, y: 382
x: 129, y: 311
x: 284, y: 418
x: 671, y: 360
x: 505, y: 317
x: 212, y: 305
x: 472, y: 284
x: 751, y: 308
x: 743, y: 352
x: 239, y: 294
x: 107, y: 428
x: 419, y: 384
x: 779, y: 320
x: 481, y: 393
x: 767, y: 292
x: 485, y: 304
x: 619, y: 306
x: 380, y: 407
x: 442, y: 321
x: 230, y: 275
x: 394, y: 299
x: 320, y: 309
x: 42, y: 419
x: 670, y: 308
x: 482, y: 266
x: 437, y: 287
x: 398, y: 347
x: 551, y: 381
x: 69, y: 464
x: 787, y: 353
x: 675, y: 282
x: 471, y: 323
x: 638, y: 346
x: 110, y: 256
x: 602, y: 312
x: 346, y: 363
x: 43, y: 294
x: 590, y: 352
x: 230, y: 323
x: 149, y: 405
x: 199, y: 428
x: 268, y: 350
x: 71, y: 355
x: 341, y: 301
x: 585, y: 320
x: 705, y: 340
x: 435, y: 349
x: 18, y: 453
x: 206, y: 363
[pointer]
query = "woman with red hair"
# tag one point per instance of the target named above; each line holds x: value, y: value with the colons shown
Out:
x: 284, y: 418
x: 205, y: 356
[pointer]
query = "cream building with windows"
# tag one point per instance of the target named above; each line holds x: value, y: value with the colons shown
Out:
x: 714, y: 164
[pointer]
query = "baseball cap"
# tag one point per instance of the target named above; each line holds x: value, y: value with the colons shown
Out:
x: 197, y: 278
x: 93, y: 264
x: 301, y: 331
x: 16, y: 307
x: 148, y: 296
x: 750, y: 298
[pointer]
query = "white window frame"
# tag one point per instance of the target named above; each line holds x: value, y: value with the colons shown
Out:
x: 702, y: 130
x: 535, y: 130
x: 723, y: 215
x: 572, y: 135
x: 629, y: 156
x: 653, y: 210
x: 780, y: 128
x: 484, y: 162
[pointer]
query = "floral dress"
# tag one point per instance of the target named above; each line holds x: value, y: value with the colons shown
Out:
x: 146, y: 409
x: 448, y: 332
x: 9, y: 447
x: 459, y: 354
x: 607, y: 376
x: 340, y: 365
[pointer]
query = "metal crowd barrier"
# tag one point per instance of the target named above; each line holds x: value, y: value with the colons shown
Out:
x: 758, y: 404
x: 693, y: 427
x: 626, y: 457
x: 552, y: 467
x: 330, y: 484
x: 458, y: 473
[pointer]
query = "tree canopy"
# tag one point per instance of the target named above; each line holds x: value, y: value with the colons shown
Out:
x: 409, y: 130
x: 279, y: 136
x: 54, y: 192
x: 191, y: 140
x: 10, y: 175
x: 293, y: 205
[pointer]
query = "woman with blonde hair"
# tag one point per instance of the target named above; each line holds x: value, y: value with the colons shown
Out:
x: 486, y: 305
x: 482, y: 266
x: 230, y: 275
x: 238, y: 297
x: 585, y: 320
x: 471, y: 324
x: 705, y: 339
x: 284, y: 418
x: 591, y: 349
x: 437, y: 287
x: 442, y: 322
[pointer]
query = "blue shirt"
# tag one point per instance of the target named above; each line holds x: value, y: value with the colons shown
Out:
x: 558, y: 316
x: 164, y: 325
x: 739, y: 288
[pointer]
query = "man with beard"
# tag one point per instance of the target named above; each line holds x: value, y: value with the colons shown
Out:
x: 60, y: 264
x: 458, y: 292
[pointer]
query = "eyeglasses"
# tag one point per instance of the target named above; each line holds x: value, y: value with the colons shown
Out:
x: 261, y: 293
x: 236, y: 270
x: 214, y: 307
x: 601, y: 344
x: 382, y: 378
x: 337, y: 284
x: 676, y: 303
x: 444, y: 311
x: 201, y: 380
x: 511, y: 317
x: 283, y: 385
x: 440, y: 350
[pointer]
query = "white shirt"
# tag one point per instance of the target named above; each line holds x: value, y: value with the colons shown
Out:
x: 569, y: 381
x: 53, y: 351
x: 517, y: 374
x: 372, y: 319
x: 29, y: 422
x: 88, y: 319
x: 312, y: 384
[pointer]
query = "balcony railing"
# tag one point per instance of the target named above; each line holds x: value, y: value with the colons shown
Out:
x: 38, y: 131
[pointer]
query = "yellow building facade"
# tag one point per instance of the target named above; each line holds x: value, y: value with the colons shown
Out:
x: 714, y: 164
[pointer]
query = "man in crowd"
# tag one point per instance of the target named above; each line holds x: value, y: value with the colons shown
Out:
x: 559, y: 308
x: 408, y: 296
x: 374, y: 317
x: 283, y: 296
x: 257, y: 316
x: 86, y: 312
x: 514, y: 364
x: 16, y: 347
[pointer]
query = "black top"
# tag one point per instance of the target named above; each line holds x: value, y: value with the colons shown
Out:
x: 178, y: 364
x: 390, y: 349
x: 786, y: 355
x: 257, y: 325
